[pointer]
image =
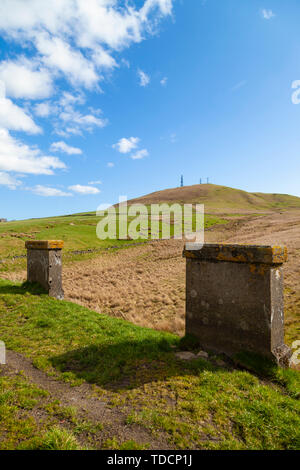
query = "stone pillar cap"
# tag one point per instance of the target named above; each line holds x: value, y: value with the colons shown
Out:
x: 44, y: 244
x: 256, y: 254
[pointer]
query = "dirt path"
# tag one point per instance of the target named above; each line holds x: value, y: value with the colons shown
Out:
x: 88, y: 405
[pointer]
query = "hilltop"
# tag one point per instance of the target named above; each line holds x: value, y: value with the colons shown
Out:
x: 222, y: 199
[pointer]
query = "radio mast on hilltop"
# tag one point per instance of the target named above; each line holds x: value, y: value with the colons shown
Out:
x: 207, y: 180
x: 181, y: 181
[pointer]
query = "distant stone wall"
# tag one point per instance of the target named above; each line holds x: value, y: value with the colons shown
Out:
x: 234, y: 299
x: 44, y: 265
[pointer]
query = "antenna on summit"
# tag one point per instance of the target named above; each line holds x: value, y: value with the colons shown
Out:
x: 181, y: 181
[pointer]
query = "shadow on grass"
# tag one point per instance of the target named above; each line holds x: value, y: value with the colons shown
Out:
x: 127, y: 365
x: 27, y: 287
x: 130, y: 364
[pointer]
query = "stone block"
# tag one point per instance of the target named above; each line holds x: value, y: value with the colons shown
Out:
x: 44, y: 265
x: 234, y: 299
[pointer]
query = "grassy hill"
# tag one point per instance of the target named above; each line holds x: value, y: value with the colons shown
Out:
x: 79, y: 230
x: 222, y: 199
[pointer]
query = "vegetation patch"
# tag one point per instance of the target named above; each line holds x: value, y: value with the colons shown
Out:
x: 23, y: 424
x: 188, y: 404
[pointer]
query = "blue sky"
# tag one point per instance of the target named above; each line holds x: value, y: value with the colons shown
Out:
x: 103, y: 98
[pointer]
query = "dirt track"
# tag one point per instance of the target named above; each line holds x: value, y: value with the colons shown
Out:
x: 88, y: 405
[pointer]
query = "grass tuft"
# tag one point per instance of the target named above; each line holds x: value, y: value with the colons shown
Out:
x: 55, y: 439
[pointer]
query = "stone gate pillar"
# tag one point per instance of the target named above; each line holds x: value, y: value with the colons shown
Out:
x: 44, y: 265
x: 234, y: 299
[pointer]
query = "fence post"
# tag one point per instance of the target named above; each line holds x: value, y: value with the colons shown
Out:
x: 44, y: 265
x: 234, y: 299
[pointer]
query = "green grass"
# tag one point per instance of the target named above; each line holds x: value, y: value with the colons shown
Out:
x: 79, y: 236
x: 19, y: 428
x: 77, y: 231
x: 191, y: 405
x: 55, y: 439
x: 115, y: 444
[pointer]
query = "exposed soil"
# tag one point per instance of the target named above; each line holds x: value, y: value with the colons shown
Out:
x: 88, y: 405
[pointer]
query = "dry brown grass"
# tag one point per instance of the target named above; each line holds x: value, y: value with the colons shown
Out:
x: 145, y: 285
x: 221, y: 199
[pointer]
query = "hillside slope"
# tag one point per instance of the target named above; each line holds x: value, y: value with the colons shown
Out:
x: 222, y: 199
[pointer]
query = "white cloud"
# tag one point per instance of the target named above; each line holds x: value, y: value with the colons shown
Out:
x: 78, y: 188
x: 13, y: 117
x: 76, y: 40
x: 126, y: 145
x: 78, y: 37
x: 63, y: 147
x: 87, y: 121
x: 126, y: 63
x: 140, y: 154
x: 24, y: 79
x: 73, y: 130
x: 90, y: 23
x: 18, y: 157
x: 110, y: 164
x: 48, y: 192
x: 144, y: 78
x: 43, y: 109
x: 9, y: 181
x: 267, y: 14
x: 164, y: 81
x: 102, y: 59
x: 67, y: 100
x: 165, y: 6
x: 103, y: 22
x: 95, y: 182
x: 68, y: 120
x: 58, y: 55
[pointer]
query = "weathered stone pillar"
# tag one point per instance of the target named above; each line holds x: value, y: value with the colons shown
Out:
x: 234, y: 299
x: 44, y: 265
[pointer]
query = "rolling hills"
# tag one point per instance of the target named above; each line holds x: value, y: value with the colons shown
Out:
x: 79, y: 230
